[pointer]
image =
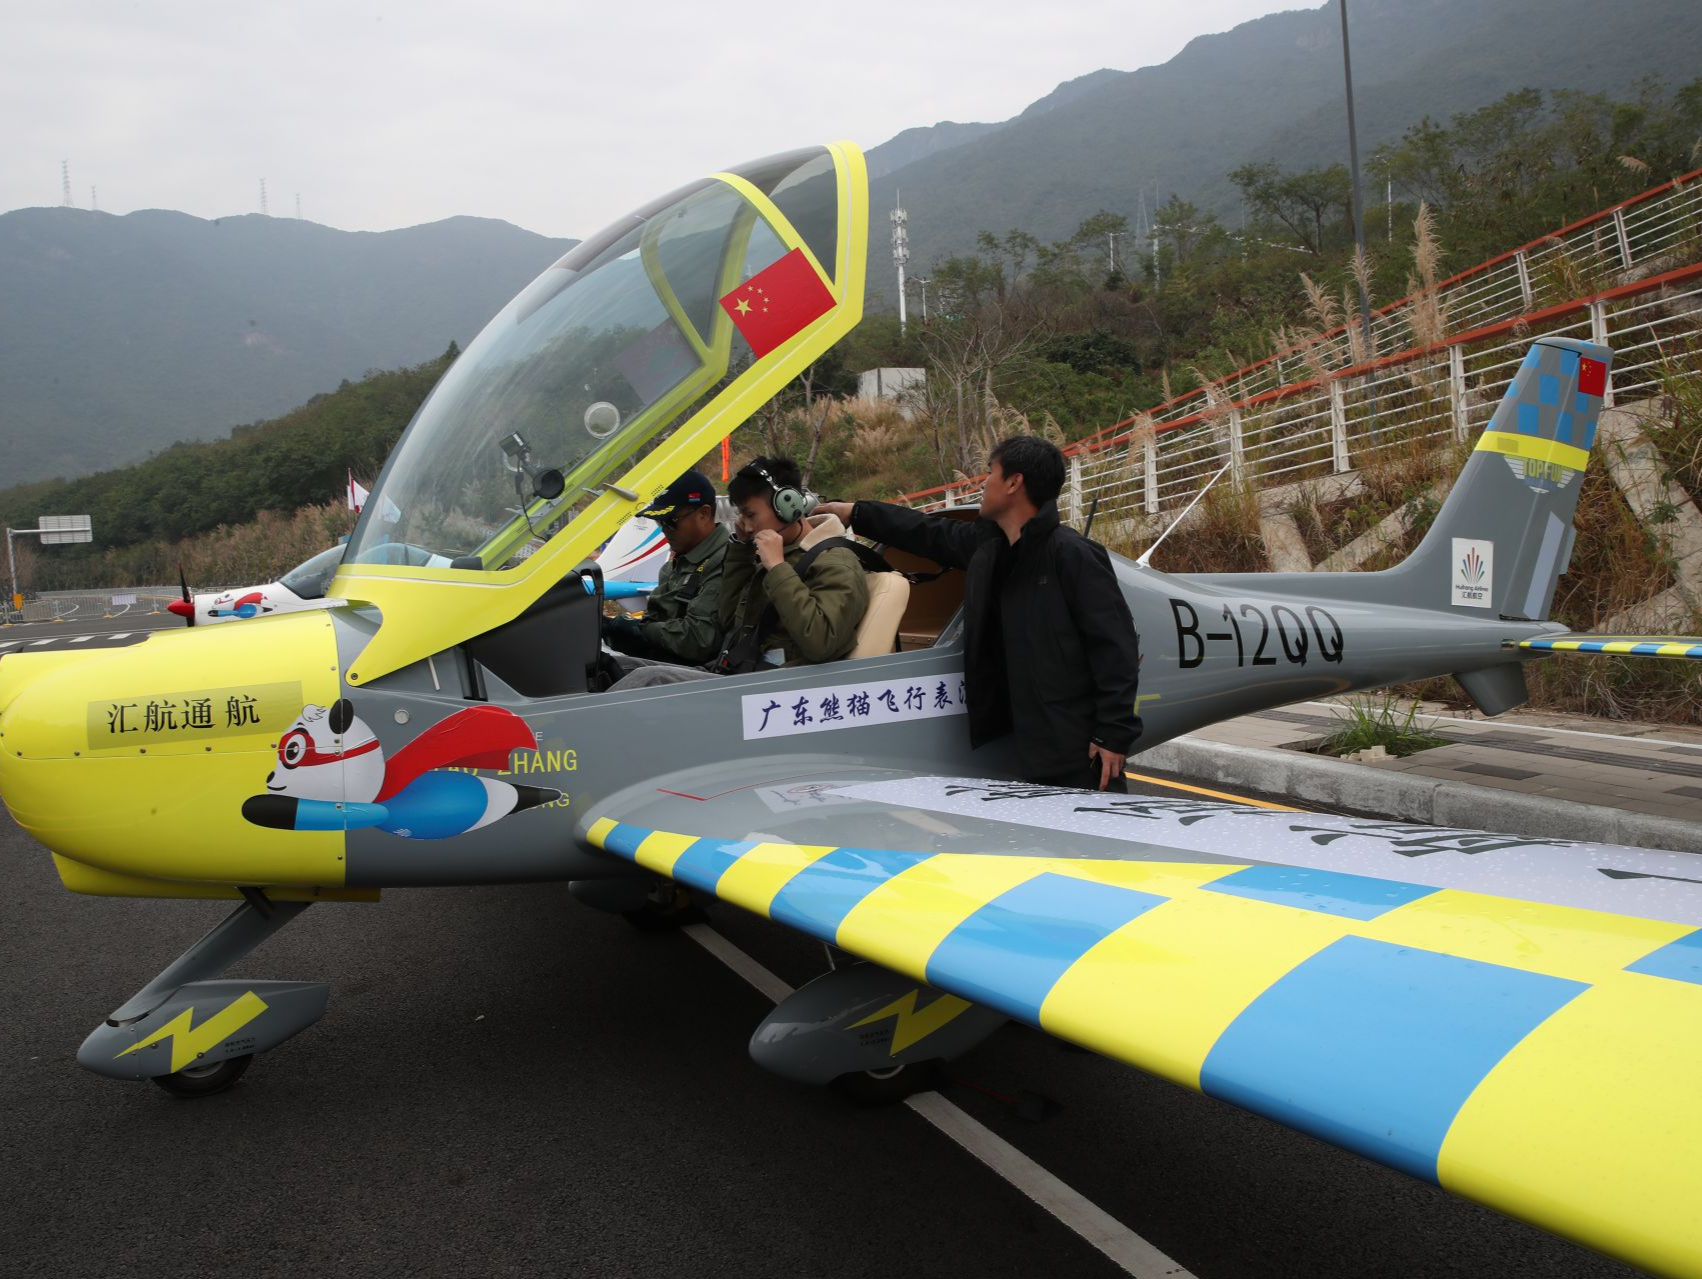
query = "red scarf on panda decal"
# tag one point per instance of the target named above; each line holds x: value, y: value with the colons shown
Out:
x: 478, y: 737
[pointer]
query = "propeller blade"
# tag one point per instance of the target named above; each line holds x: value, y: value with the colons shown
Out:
x: 185, y: 607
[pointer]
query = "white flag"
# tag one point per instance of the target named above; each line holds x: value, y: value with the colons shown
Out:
x: 357, y: 495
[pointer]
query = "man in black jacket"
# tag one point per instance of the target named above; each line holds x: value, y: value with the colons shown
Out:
x: 1050, y: 648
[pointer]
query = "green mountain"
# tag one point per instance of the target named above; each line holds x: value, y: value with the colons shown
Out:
x: 919, y: 143
x: 1271, y: 89
x: 300, y: 459
x: 121, y: 335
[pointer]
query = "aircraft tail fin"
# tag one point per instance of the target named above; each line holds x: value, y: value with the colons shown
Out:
x: 1504, y: 536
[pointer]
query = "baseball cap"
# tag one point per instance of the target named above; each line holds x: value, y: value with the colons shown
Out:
x: 691, y: 489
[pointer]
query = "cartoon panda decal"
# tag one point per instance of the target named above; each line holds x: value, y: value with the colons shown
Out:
x: 253, y: 604
x: 332, y: 774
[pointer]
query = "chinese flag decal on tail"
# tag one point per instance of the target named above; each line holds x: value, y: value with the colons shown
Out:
x: 777, y: 302
x: 1592, y: 377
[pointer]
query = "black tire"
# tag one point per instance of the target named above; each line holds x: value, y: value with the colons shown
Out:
x: 204, y: 1081
x: 668, y: 909
x: 891, y: 1086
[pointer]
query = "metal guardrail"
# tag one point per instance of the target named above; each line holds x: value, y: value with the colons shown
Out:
x: 1438, y: 393
x: 1279, y: 418
x: 82, y: 606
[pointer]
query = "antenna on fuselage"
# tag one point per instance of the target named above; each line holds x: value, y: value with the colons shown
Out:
x: 1147, y: 554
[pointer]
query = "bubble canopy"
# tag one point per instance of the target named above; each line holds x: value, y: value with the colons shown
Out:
x: 615, y: 370
x: 605, y: 354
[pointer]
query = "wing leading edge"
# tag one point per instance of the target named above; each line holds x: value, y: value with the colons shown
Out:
x: 1540, y: 1058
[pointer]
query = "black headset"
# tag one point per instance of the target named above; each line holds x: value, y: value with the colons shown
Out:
x: 790, y: 504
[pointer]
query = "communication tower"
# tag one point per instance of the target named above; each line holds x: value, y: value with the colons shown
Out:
x: 94, y: 201
x: 900, y: 250
x: 263, y: 212
x: 65, y: 183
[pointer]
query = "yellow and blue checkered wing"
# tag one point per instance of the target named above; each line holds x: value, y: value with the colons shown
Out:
x: 1540, y: 1058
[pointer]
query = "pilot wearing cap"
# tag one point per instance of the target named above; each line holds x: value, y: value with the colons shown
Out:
x: 681, y: 623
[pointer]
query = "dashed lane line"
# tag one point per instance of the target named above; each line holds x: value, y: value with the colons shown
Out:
x: 1132, y: 1254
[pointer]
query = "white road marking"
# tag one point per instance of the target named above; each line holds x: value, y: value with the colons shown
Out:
x: 69, y: 639
x: 753, y: 972
x: 1072, y: 1209
x: 1135, y: 1255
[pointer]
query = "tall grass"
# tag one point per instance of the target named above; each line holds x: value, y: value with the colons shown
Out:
x: 1676, y: 428
x: 1220, y: 535
x: 1379, y: 721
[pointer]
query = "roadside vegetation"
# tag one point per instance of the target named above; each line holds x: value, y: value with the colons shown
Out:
x: 1379, y: 721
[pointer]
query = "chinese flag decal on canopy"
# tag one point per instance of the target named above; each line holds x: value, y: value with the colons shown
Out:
x: 777, y: 302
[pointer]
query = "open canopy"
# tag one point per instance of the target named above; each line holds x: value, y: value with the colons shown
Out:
x: 614, y: 370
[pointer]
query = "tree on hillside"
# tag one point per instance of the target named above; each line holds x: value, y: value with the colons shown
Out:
x: 1305, y: 203
x: 965, y: 353
x: 795, y: 423
x: 1186, y: 230
x: 1528, y: 163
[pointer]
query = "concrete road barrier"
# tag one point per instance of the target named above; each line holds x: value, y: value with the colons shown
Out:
x: 1358, y: 788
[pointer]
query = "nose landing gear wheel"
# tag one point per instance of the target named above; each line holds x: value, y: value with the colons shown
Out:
x: 204, y: 1081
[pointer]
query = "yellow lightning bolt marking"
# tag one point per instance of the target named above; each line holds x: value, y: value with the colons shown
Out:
x: 742, y: 307
x: 191, y: 1041
x: 913, y: 1026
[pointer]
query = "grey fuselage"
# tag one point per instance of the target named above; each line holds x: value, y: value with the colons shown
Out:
x: 1213, y: 647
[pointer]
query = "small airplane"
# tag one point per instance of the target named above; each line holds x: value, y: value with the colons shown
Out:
x: 303, y: 587
x: 635, y: 553
x: 1518, y: 1020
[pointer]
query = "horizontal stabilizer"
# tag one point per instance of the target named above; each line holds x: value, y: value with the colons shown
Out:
x: 1619, y: 645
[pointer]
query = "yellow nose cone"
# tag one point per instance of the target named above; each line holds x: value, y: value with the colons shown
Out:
x: 137, y: 760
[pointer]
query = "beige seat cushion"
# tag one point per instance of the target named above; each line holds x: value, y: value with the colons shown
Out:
x: 878, y: 632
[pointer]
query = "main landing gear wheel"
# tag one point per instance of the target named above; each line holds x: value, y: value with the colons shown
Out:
x: 669, y: 906
x: 204, y: 1081
x: 892, y: 1085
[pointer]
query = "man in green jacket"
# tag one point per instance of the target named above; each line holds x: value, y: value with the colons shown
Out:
x: 773, y: 614
x: 815, y: 614
x: 682, y: 617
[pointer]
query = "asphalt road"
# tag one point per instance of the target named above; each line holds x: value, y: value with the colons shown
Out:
x: 131, y: 619
x: 510, y: 1083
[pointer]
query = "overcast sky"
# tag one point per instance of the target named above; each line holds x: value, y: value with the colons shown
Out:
x: 555, y: 116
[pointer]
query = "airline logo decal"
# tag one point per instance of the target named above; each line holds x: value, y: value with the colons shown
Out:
x: 1474, y: 572
x: 200, y: 714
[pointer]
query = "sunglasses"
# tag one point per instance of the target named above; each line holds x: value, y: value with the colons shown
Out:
x: 672, y: 521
